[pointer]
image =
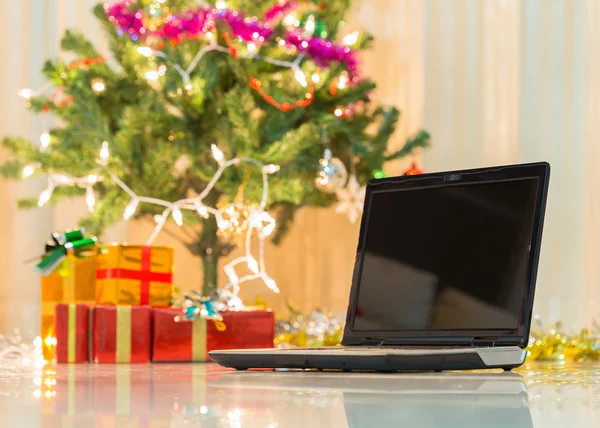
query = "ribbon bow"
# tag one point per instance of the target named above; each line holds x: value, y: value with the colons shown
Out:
x: 61, y: 244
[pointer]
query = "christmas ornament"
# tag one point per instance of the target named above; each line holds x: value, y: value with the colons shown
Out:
x: 414, y: 170
x: 317, y: 328
x: 332, y: 173
x: 352, y: 198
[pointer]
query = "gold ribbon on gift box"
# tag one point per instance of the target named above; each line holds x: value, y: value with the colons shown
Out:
x: 123, y: 345
x: 199, y: 339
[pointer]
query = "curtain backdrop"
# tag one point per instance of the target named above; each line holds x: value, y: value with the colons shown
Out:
x: 499, y: 81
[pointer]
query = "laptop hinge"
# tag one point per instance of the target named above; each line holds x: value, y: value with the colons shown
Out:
x: 372, y: 341
x: 484, y: 341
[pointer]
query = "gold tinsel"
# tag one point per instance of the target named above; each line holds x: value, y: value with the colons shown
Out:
x: 555, y: 345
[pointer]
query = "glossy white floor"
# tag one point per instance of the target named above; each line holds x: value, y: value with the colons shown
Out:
x: 169, y: 395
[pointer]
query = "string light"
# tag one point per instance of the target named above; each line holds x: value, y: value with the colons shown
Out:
x: 151, y: 76
x: 145, y: 51
x: 90, y: 198
x: 104, y: 153
x: 45, y: 140
x: 201, y: 209
x: 45, y: 195
x: 251, y: 48
x: 25, y: 93
x: 271, y: 169
x: 98, y: 85
x: 351, y: 38
x: 217, y: 154
x: 342, y: 81
x: 316, y: 78
x: 300, y: 77
x: 130, y: 208
x: 310, y: 25
x: 177, y: 215
x: 221, y: 4
x: 338, y: 112
x: 290, y: 20
x: 29, y: 169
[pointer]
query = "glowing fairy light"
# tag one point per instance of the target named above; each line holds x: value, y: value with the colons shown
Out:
x: 289, y: 20
x: 201, y: 209
x: 338, y: 112
x: 151, y: 75
x: 300, y: 77
x: 45, y: 140
x: 104, y: 153
x: 177, y: 215
x: 221, y: 4
x: 252, y: 48
x: 310, y: 24
x: 90, y: 198
x: 28, y: 170
x: 217, y: 154
x: 25, y: 93
x: 45, y: 195
x: 252, y: 264
x: 159, y: 219
x: 351, y: 38
x: 270, y: 282
x: 316, y: 78
x: 98, y: 85
x: 145, y: 51
x: 342, y: 81
x: 130, y: 209
x: 270, y: 169
x: 92, y: 179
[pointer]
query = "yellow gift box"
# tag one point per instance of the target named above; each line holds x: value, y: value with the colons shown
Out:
x: 74, y: 281
x: 134, y: 275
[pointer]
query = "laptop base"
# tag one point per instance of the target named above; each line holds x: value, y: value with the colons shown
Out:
x: 373, y: 359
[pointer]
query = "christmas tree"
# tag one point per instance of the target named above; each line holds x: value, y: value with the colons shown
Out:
x: 276, y: 88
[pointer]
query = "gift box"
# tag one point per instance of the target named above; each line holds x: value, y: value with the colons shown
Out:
x: 71, y: 326
x: 121, y: 334
x: 192, y: 340
x: 134, y: 275
x: 69, y: 276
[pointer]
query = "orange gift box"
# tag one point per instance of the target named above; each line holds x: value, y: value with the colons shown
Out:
x: 192, y: 340
x: 134, y: 275
x: 74, y: 281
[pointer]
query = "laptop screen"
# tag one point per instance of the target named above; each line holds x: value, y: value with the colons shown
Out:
x: 448, y: 257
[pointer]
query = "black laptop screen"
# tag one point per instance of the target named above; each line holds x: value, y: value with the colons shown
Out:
x: 449, y: 257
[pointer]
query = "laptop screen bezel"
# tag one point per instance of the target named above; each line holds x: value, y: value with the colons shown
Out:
x: 518, y: 336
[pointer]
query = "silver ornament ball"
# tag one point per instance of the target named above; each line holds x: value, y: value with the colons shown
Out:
x: 332, y: 175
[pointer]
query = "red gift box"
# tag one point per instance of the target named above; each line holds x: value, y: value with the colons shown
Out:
x: 192, y: 340
x: 121, y: 334
x: 71, y: 327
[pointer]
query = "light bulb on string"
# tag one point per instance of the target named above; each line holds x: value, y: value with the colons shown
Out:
x: 159, y: 219
x: 310, y: 25
x: 342, y: 81
x: 25, y: 93
x: 270, y: 282
x: 104, y: 153
x: 44, y: 140
x: 92, y: 179
x: 201, y: 209
x: 271, y: 169
x: 221, y: 4
x: 145, y: 51
x: 289, y: 20
x: 45, y: 195
x: 252, y: 48
x: 28, y: 170
x: 177, y: 215
x: 62, y: 179
x: 351, y: 38
x: 300, y: 77
x: 98, y: 85
x: 338, y: 112
x: 316, y: 78
x: 217, y: 154
x: 90, y: 198
x: 151, y: 75
x: 252, y: 264
x: 130, y: 209
x: 233, y: 278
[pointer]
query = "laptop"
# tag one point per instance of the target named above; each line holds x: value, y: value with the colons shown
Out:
x: 444, y: 277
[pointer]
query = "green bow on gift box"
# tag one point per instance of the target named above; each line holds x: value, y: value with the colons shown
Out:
x: 57, y: 249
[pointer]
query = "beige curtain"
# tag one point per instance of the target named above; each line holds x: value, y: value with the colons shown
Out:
x: 497, y: 81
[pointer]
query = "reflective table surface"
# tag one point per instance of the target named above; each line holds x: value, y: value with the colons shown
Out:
x: 172, y: 395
